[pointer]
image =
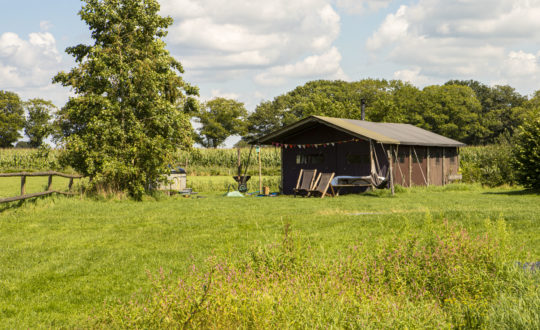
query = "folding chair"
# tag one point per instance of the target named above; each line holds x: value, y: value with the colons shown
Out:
x: 322, y: 184
x: 305, y: 181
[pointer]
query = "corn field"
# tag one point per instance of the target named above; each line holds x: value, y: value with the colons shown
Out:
x: 13, y: 160
x: 202, y: 162
x: 225, y: 161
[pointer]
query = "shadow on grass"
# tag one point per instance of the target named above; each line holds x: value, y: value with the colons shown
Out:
x: 514, y: 192
x: 18, y: 204
x: 12, y: 205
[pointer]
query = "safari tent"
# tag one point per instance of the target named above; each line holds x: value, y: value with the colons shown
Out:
x: 363, y: 153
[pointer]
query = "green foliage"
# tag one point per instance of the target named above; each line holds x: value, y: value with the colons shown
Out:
x: 390, y: 101
x: 500, y: 111
x: 225, y: 161
x: 220, y: 118
x: 129, y: 113
x: 489, y: 165
x: 18, y: 160
x: 468, y: 111
x: 440, y: 276
x: 199, y: 161
x: 11, y: 118
x: 37, y: 126
x: 527, y: 153
x: 451, y: 111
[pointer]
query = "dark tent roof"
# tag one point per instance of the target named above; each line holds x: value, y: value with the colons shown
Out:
x: 387, y: 133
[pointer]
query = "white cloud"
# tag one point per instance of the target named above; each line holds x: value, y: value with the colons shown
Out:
x: 27, y: 66
x: 45, y: 25
x: 392, y: 29
x: 219, y: 93
x: 216, y: 39
x: 521, y: 64
x: 413, y: 76
x: 362, y: 6
x: 326, y: 65
x: 481, y: 39
x: 29, y: 61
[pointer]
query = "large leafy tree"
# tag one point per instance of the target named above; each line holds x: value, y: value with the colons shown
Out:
x: 500, y: 110
x: 220, y: 118
x: 389, y: 101
x: 37, y: 125
x: 450, y: 110
x: 11, y: 118
x: 129, y: 113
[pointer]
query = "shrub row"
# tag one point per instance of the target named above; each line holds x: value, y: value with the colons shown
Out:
x: 490, y: 165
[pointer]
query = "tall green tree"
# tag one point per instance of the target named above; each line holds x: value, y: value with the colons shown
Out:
x: 386, y: 101
x: 450, y: 110
x: 38, y: 124
x: 527, y: 153
x: 129, y: 114
x: 221, y: 118
x: 11, y: 118
x: 500, y: 109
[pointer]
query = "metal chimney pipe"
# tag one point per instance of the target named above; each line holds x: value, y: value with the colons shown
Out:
x: 363, y: 102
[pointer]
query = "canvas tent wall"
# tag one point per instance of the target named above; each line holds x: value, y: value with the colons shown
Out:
x: 353, y: 147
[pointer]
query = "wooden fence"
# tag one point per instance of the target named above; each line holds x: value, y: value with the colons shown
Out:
x: 49, y: 191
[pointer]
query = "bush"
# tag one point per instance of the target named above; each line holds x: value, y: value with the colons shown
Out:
x: 489, y: 165
x: 439, y: 277
x: 527, y: 154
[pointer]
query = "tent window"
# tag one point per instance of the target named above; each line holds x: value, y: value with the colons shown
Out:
x: 358, y: 158
x: 310, y: 159
x: 402, y: 156
x: 420, y: 158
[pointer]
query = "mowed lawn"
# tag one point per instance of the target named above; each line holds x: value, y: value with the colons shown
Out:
x: 62, y: 257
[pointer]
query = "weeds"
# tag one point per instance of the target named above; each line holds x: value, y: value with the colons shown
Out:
x: 440, y: 276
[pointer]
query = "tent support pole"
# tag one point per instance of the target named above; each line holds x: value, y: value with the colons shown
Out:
x: 428, y: 165
x: 389, y: 155
x: 419, y: 165
x: 443, y: 169
x: 396, y: 155
x: 410, y: 167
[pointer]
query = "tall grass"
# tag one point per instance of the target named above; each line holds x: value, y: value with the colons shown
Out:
x: 439, y: 277
x: 224, y: 183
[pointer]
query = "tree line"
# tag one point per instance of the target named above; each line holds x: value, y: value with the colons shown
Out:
x: 465, y: 110
x: 37, y: 123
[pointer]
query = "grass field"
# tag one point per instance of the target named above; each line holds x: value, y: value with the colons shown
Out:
x: 63, y: 257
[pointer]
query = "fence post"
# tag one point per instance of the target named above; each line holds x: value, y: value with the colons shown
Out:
x: 49, y: 184
x: 70, y: 184
x: 23, y: 184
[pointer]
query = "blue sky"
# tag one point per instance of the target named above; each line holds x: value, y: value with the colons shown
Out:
x: 255, y: 50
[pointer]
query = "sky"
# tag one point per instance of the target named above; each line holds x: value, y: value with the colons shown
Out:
x: 253, y: 50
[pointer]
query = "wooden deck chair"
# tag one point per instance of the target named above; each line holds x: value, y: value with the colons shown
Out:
x: 305, y: 181
x: 322, y: 184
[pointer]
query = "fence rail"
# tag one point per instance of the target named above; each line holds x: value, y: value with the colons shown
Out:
x: 49, y: 191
